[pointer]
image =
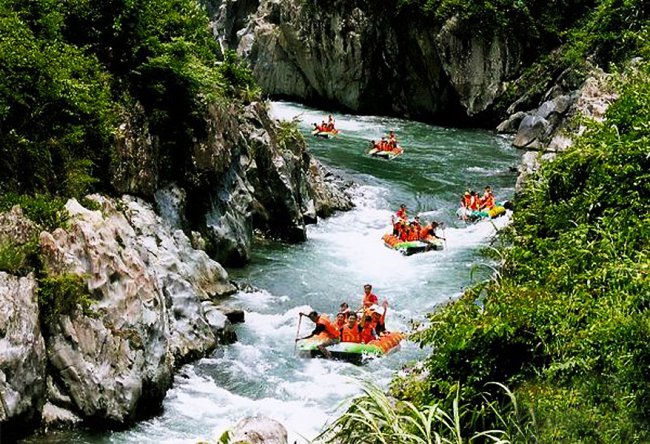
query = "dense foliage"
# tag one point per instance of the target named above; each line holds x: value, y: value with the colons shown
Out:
x: 566, y: 323
x: 68, y: 67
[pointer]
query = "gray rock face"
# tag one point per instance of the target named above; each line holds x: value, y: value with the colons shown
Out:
x: 477, y: 67
x: 511, y: 124
x: 22, y: 352
x: 149, y: 287
x: 240, y: 180
x: 358, y: 55
x: 531, y: 130
x: 259, y: 430
x: 548, y: 129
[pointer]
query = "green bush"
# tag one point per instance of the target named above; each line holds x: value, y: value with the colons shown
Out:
x: 62, y: 294
x: 47, y: 211
x: 18, y: 259
x: 68, y: 66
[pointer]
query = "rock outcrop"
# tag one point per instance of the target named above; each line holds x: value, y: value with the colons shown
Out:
x: 360, y: 56
x: 258, y: 430
x: 22, y: 352
x: 149, y: 288
x: 242, y: 176
x: 149, y: 305
x: 549, y: 128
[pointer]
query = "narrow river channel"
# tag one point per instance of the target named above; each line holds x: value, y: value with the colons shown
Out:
x: 260, y: 374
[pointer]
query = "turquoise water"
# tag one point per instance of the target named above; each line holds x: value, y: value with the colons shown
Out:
x: 260, y: 374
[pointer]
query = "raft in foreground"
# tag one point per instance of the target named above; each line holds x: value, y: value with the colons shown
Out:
x: 411, y: 247
x: 351, y: 351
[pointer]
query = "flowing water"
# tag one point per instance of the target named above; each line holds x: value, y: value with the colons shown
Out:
x: 260, y: 374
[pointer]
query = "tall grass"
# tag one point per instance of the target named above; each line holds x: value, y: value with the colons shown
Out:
x: 373, y: 417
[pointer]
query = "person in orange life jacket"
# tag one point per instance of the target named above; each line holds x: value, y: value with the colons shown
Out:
x: 405, y: 233
x: 488, y: 200
x: 368, y: 297
x: 392, y: 140
x: 367, y: 329
x: 474, y: 201
x: 413, y: 233
x: 379, y: 320
x: 330, y: 122
x: 401, y: 213
x: 344, y: 309
x: 429, y: 230
x: 323, y: 324
x: 351, y: 331
x: 340, y: 320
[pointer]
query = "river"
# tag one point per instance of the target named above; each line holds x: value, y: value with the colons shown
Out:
x: 260, y: 374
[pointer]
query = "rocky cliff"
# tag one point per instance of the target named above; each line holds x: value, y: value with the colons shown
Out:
x: 147, y: 305
x: 241, y: 176
x: 367, y: 57
x: 548, y: 128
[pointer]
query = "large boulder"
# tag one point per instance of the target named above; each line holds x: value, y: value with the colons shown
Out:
x: 550, y: 128
x: 113, y: 362
x: 258, y: 430
x: 22, y: 353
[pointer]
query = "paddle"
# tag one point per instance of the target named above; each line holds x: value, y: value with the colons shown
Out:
x: 295, y: 345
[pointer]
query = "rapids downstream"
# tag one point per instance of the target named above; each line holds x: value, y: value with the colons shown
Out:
x: 259, y: 373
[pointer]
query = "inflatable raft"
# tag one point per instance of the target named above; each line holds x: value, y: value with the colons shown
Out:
x: 351, y: 351
x: 397, y: 151
x: 476, y: 215
x: 325, y: 134
x: 412, y: 247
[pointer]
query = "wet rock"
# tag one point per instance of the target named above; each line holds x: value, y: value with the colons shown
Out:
x: 511, y: 125
x: 531, y: 129
x: 234, y: 315
x: 259, y: 430
x: 58, y: 417
x: 22, y: 352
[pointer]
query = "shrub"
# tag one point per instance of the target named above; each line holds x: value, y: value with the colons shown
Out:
x: 62, y: 294
x: 47, y: 211
x: 18, y: 259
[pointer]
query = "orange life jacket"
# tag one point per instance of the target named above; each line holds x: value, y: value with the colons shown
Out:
x: 350, y: 334
x: 474, y: 203
x: 367, y: 333
x: 401, y: 214
x: 488, y: 200
x: 330, y: 328
x: 426, y: 232
x: 369, y: 299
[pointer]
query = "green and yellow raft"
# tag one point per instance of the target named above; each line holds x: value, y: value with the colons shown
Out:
x: 412, y: 247
x: 476, y: 215
x: 351, y: 351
